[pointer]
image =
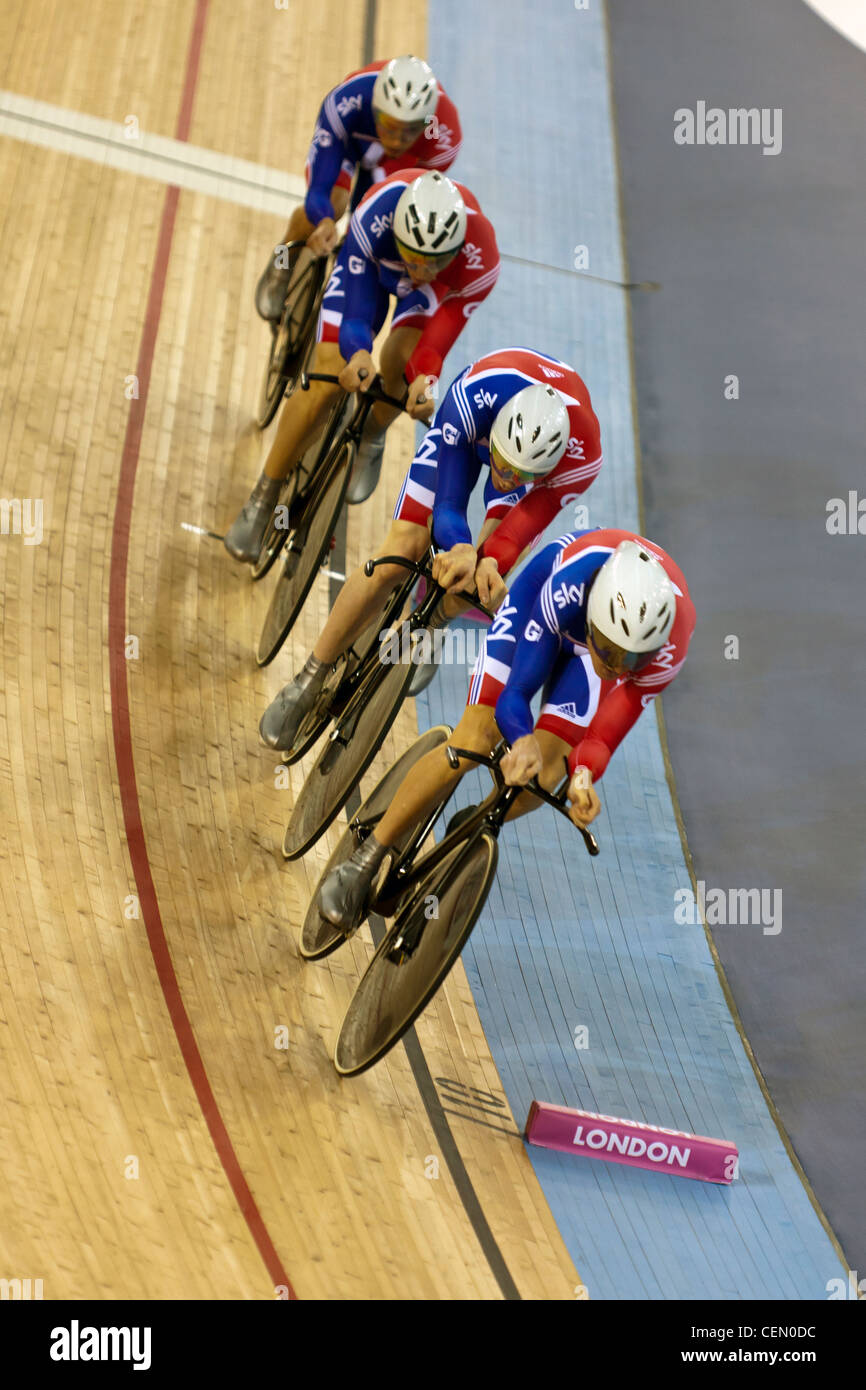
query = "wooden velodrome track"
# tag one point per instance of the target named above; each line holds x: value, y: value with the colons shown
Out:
x: 155, y: 1141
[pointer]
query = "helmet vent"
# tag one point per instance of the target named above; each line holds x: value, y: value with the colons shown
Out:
x: 643, y: 555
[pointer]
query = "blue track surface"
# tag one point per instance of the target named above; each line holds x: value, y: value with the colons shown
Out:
x: 565, y: 941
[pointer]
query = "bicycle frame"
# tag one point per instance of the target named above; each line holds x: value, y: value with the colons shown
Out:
x: 370, y: 674
x: 405, y: 874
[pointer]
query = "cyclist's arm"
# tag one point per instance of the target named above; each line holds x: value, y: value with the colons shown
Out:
x: 537, y: 650
x: 534, y: 512
x: 437, y: 338
x: 324, y: 162
x: 445, y: 326
x: 616, y: 714
x: 456, y: 475
x: 528, y: 519
x: 362, y: 296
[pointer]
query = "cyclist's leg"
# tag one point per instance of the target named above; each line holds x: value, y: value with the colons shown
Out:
x: 303, y: 413
x: 356, y: 606
x: 569, y: 704
x: 360, y: 598
x: 433, y: 777
x: 345, y: 891
x: 301, y: 416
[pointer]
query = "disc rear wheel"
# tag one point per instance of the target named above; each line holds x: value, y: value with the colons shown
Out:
x: 305, y: 553
x: 416, y: 954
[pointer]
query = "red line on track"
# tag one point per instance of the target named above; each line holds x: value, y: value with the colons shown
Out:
x: 120, y: 701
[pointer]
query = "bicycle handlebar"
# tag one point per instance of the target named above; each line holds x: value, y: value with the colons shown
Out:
x: 492, y: 762
x: 374, y: 391
x: 425, y: 572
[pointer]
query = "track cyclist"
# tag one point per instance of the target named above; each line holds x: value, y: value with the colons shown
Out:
x: 601, y: 622
x: 390, y: 115
x: 423, y: 239
x: 523, y: 419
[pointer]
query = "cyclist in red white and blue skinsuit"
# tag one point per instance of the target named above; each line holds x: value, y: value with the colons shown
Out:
x: 346, y: 140
x: 548, y: 635
x: 455, y: 452
x: 354, y: 139
x: 369, y: 270
x: 457, y: 449
x: 539, y: 641
x: 422, y: 239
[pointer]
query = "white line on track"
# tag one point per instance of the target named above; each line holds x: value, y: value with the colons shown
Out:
x: 150, y: 156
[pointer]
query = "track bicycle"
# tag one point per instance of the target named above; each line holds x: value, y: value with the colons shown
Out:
x: 366, y: 701
x: 293, y: 339
x: 315, y: 507
x: 434, y: 897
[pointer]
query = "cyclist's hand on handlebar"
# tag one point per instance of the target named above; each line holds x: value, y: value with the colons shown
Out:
x: 419, y: 402
x: 358, y: 372
x: 522, y: 762
x: 585, y: 804
x: 489, y: 583
x: 323, y: 238
x: 454, y: 568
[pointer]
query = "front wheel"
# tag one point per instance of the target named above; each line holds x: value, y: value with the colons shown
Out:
x: 318, y: 937
x: 291, y: 340
x: 305, y: 553
x: 416, y: 954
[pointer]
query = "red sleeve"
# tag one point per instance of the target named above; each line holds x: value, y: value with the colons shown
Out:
x: 463, y: 286
x: 437, y: 339
x: 618, y: 712
x: 524, y: 523
x: 619, y: 709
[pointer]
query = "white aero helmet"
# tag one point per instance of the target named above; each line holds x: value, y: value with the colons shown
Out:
x: 531, y: 430
x: 430, y: 218
x: 631, y: 608
x: 406, y: 90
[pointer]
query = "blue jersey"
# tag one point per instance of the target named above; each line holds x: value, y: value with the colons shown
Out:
x: 373, y: 270
x: 544, y: 617
x: 458, y: 442
x: 345, y: 139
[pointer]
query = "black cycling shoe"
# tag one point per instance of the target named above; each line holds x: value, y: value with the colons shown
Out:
x: 345, y: 893
x: 279, y: 725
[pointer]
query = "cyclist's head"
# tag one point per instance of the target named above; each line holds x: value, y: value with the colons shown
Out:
x: 630, y: 611
x: 429, y: 225
x: 404, y: 95
x: 528, y: 438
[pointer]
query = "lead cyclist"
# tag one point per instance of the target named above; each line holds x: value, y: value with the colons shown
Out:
x: 601, y: 622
